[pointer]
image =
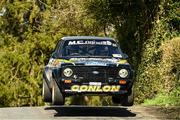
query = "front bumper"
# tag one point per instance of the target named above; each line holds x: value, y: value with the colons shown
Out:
x: 111, y: 88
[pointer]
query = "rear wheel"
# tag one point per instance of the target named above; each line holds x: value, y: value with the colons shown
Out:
x: 57, y: 96
x: 46, y: 93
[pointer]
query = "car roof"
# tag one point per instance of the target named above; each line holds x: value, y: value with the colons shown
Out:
x: 86, y: 38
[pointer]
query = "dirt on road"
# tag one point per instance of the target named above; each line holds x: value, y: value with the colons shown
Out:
x: 89, y: 113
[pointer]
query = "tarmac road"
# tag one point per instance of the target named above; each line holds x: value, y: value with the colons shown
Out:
x: 81, y: 113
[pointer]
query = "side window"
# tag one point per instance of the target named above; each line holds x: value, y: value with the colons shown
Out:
x: 58, y: 49
x: 58, y: 45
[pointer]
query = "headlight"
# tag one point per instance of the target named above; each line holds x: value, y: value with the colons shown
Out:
x: 123, y: 73
x: 67, y: 72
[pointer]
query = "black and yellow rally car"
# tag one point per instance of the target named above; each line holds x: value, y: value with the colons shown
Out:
x: 88, y: 65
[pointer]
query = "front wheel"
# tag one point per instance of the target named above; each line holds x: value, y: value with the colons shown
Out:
x: 46, y: 93
x: 124, y: 100
x: 128, y: 99
x: 57, y: 96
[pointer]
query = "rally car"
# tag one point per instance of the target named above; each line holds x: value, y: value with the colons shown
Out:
x: 88, y: 65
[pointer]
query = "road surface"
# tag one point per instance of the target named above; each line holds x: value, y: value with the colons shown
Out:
x: 82, y: 112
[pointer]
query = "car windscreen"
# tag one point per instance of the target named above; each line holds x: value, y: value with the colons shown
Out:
x: 90, y: 48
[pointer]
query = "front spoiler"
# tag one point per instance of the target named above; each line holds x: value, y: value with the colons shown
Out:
x: 70, y: 92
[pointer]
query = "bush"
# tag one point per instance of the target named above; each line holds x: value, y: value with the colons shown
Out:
x: 168, y: 71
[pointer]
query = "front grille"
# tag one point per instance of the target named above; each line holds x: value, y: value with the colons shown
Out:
x: 94, y: 74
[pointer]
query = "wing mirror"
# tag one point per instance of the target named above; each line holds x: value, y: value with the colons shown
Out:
x: 125, y: 56
x: 54, y: 55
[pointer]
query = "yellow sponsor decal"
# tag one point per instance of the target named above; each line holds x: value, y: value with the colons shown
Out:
x: 62, y: 60
x: 122, y: 61
x: 93, y: 88
x: 56, y: 62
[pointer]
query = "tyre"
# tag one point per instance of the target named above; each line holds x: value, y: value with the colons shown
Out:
x: 46, y: 93
x: 57, y: 96
x: 128, y: 99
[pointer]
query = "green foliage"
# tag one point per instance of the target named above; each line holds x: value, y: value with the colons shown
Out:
x: 130, y: 21
x: 29, y: 31
x: 155, y: 74
x: 170, y: 99
x: 21, y: 66
x: 168, y: 71
x: 142, y: 27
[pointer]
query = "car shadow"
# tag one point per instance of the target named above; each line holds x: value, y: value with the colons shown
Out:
x: 74, y: 111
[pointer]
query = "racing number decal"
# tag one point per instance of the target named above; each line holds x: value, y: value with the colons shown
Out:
x: 93, y: 88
